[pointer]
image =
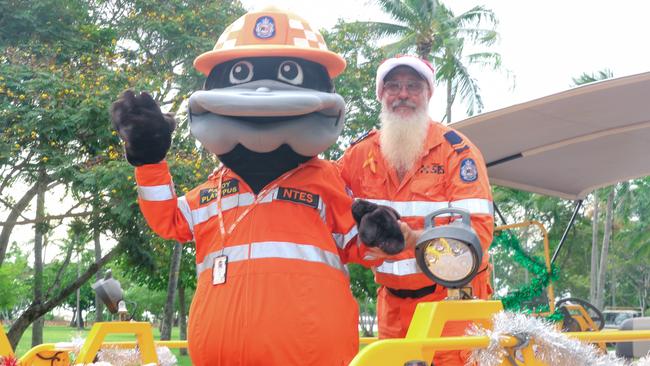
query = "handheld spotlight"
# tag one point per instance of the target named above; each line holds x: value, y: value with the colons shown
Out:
x: 450, y: 254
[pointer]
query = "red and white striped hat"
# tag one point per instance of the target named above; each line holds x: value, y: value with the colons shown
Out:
x: 421, y: 66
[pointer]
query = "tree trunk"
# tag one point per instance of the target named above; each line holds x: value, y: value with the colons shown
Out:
x: 39, y: 233
x: 36, y: 310
x: 607, y: 234
x: 450, y: 100
x: 80, y: 322
x: 99, y: 305
x: 593, y: 277
x: 182, y: 311
x: 614, y: 287
x: 15, y: 212
x: 168, y: 316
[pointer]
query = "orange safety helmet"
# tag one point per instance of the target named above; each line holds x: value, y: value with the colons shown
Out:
x: 267, y: 33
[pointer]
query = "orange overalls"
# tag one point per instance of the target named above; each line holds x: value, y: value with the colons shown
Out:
x: 450, y: 173
x: 286, y: 298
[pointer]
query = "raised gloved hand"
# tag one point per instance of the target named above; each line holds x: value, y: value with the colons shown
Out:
x: 378, y: 226
x: 145, y: 130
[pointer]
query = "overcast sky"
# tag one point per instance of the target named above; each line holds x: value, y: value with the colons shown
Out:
x: 543, y: 43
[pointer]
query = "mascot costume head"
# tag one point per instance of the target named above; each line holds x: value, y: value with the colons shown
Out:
x: 269, y: 102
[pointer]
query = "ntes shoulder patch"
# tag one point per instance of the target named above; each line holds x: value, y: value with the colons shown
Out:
x: 228, y: 187
x: 468, y: 170
x: 298, y: 196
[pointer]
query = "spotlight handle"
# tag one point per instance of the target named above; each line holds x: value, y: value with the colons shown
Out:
x: 429, y: 221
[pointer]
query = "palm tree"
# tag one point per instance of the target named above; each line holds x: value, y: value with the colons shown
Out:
x: 433, y: 31
x: 599, y: 266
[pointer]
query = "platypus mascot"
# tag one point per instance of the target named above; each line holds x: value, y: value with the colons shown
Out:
x: 273, y: 225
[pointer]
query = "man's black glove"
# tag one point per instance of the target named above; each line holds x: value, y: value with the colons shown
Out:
x: 146, y: 131
x: 378, y: 226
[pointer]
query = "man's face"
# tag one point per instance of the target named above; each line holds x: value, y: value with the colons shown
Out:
x: 405, y: 91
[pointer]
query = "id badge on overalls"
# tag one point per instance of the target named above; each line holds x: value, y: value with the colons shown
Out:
x: 219, y: 270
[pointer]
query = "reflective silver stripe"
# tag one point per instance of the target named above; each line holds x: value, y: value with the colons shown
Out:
x: 475, y: 205
x: 342, y: 240
x: 235, y: 254
x: 399, y: 268
x: 305, y: 252
x: 322, y: 208
x: 204, y: 214
x: 412, y: 208
x: 156, y: 193
x: 184, y: 208
x: 274, y: 249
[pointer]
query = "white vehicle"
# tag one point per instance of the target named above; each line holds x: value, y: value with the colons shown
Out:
x: 615, y: 316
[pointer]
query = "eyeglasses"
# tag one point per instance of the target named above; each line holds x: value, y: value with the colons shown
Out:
x: 413, y: 87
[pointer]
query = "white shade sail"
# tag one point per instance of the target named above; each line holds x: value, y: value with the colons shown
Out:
x: 570, y: 143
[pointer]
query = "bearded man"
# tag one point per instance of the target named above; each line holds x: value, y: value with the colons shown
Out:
x: 417, y: 166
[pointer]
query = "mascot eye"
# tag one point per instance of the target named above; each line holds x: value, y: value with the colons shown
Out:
x: 290, y: 72
x: 241, y: 72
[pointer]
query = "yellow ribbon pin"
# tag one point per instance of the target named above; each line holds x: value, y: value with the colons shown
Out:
x: 370, y: 162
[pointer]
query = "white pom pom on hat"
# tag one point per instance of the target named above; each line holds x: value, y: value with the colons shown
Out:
x: 421, y: 66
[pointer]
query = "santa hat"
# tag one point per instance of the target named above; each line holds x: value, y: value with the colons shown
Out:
x: 421, y: 66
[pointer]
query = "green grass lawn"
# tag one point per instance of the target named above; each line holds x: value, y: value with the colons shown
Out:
x: 54, y: 333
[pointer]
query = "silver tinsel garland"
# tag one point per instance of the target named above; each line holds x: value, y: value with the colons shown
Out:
x: 551, y: 346
x: 108, y: 356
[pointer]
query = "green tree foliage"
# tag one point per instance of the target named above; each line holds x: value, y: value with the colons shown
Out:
x: 364, y: 289
x: 14, y: 283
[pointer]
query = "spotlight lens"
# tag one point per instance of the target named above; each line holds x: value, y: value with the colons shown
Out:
x: 449, y: 259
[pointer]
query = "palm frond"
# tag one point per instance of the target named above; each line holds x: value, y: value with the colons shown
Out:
x: 468, y: 88
x: 404, y: 45
x: 490, y: 59
x: 398, y: 10
x: 477, y: 15
x: 377, y: 30
x: 486, y: 37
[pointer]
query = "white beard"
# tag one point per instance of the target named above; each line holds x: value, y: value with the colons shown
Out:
x: 402, y: 138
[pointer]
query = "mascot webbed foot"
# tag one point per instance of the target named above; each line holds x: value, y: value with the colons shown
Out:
x: 378, y: 226
x: 145, y: 130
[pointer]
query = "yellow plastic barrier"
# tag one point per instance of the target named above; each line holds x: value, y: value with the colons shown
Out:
x: 423, y: 337
x: 47, y: 354
x: 427, y: 324
x: 5, y: 346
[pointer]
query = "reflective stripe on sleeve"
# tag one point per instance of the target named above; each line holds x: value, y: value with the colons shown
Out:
x: 184, y: 208
x: 342, y: 240
x: 156, y: 193
x: 423, y: 208
x: 402, y: 267
x: 475, y: 206
x: 274, y: 249
x: 412, y: 208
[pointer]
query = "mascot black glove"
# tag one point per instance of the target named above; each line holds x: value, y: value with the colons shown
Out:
x: 378, y: 226
x: 146, y: 131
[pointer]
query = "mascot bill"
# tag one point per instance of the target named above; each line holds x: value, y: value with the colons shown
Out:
x: 272, y: 226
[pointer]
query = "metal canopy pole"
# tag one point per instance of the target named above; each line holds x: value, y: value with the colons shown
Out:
x: 496, y: 209
x: 566, y: 231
